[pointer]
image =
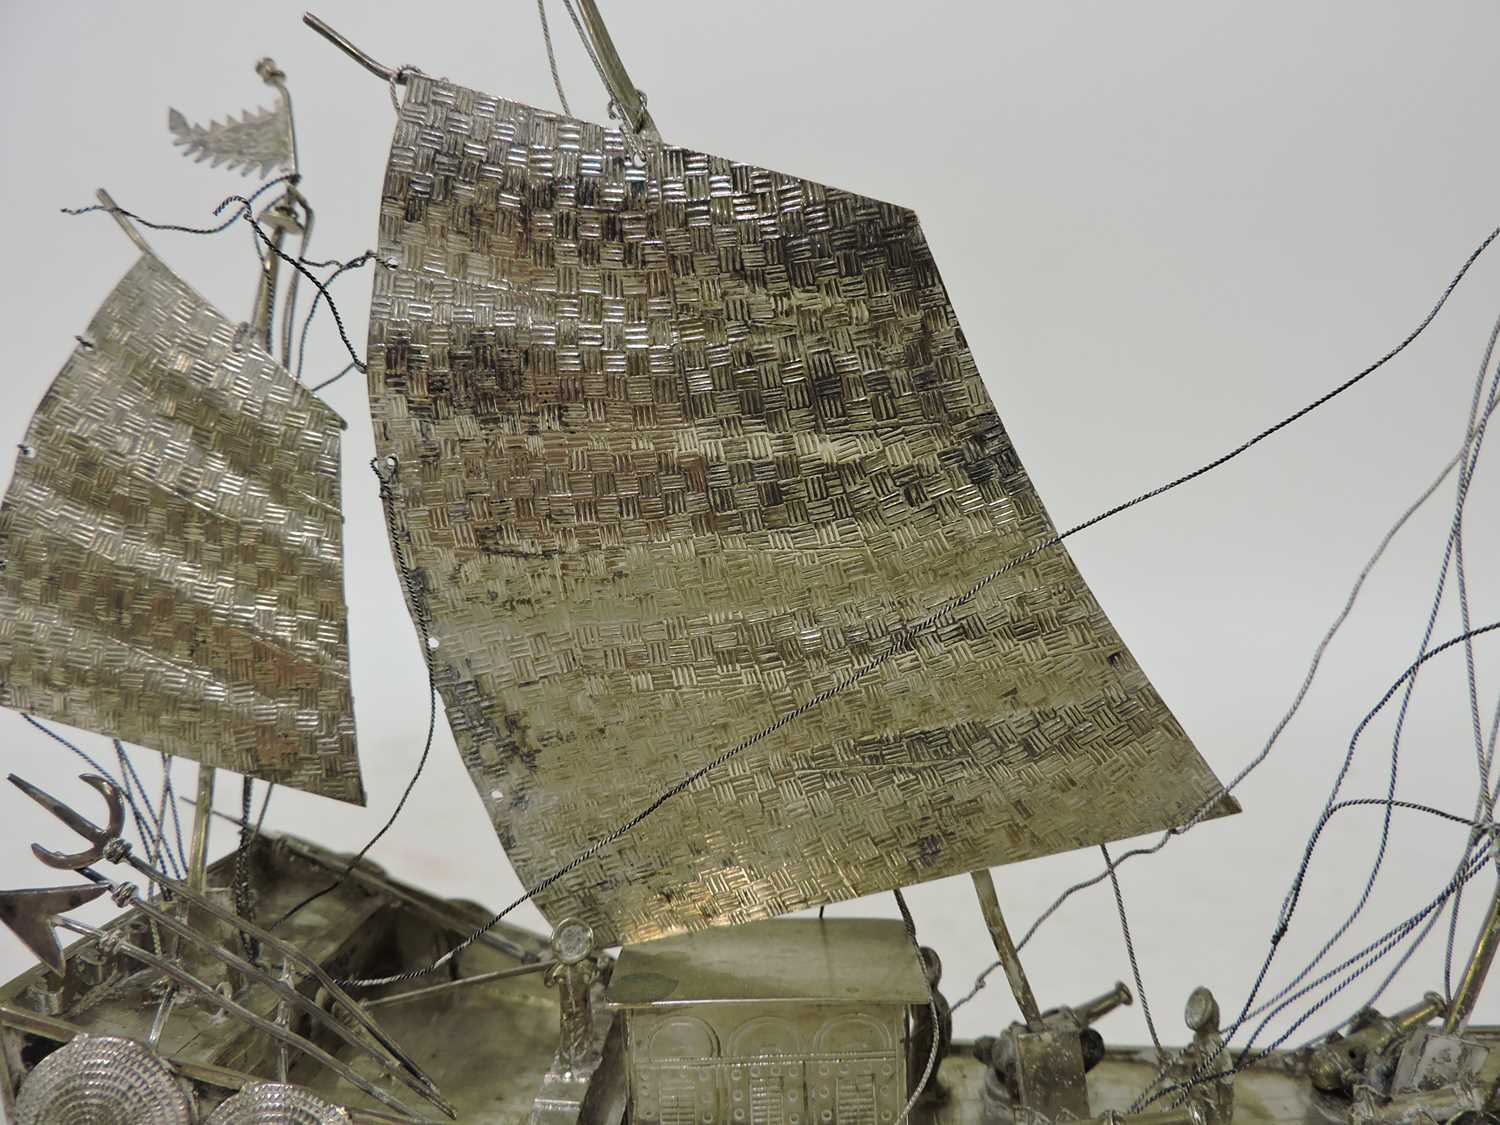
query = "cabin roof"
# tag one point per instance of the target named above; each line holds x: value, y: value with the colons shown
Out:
x: 807, y: 960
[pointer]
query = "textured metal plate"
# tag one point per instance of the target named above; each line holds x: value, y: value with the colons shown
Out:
x: 680, y: 442
x: 854, y: 961
x: 172, y: 545
x: 273, y: 1103
x: 97, y: 1079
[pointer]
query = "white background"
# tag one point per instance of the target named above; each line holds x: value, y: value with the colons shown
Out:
x: 1164, y: 226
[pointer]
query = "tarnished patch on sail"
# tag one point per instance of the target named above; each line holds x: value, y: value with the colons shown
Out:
x: 172, y: 544
x: 680, y: 443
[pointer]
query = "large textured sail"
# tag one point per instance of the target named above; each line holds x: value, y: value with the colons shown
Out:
x: 679, y: 443
x: 172, y: 545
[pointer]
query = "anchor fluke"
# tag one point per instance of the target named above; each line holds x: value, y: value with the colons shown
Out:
x: 99, y: 838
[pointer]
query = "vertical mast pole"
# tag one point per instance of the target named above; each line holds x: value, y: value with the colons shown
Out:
x: 203, y: 812
x: 626, y: 95
x: 1476, y: 971
x: 1005, y: 948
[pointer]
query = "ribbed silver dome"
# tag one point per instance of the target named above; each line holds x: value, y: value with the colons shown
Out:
x: 274, y: 1103
x: 102, y: 1080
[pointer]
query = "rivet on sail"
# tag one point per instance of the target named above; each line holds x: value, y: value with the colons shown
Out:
x: 680, y: 443
x: 172, y: 547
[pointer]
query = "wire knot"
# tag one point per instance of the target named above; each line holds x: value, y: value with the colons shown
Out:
x: 399, y: 77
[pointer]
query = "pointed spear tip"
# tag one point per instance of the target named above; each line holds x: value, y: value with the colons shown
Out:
x: 29, y: 914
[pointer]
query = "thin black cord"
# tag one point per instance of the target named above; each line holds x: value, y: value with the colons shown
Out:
x: 1279, y: 1002
x: 157, y: 843
x: 1295, y: 894
x: 1372, y: 953
x: 906, y: 639
x: 1452, y: 553
x: 343, y: 267
x: 142, y: 827
x: 1382, y: 945
x: 246, y: 212
x: 52, y: 734
x: 1472, y: 444
x: 408, y: 578
x: 177, y: 227
x: 1485, y: 802
x: 122, y: 784
x: 244, y: 903
x: 166, y: 774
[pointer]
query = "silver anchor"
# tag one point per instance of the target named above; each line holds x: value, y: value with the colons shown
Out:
x: 100, y: 838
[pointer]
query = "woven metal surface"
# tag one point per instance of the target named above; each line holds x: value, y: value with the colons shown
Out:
x: 172, y: 548
x: 680, y: 442
x: 273, y: 1103
x: 101, y: 1080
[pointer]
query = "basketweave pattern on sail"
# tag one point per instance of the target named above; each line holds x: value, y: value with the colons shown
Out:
x: 172, y: 542
x: 679, y: 442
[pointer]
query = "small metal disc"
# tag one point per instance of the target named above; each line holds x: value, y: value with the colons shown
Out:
x: 275, y: 1103
x: 572, y: 941
x: 102, y: 1080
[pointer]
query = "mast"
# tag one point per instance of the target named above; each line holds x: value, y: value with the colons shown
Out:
x: 282, y: 219
x: 1476, y: 971
x: 1005, y: 948
x: 626, y: 94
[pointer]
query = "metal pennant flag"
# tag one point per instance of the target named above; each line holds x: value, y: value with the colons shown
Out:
x: 261, y: 139
x: 172, y: 548
x: 680, y: 443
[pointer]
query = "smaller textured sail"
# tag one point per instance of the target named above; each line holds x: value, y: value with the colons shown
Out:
x: 171, y: 548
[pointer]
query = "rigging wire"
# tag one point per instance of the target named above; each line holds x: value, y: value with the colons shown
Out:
x: 348, y: 367
x: 123, y: 788
x: 1207, y: 1072
x: 247, y: 201
x: 412, y: 586
x: 1371, y: 954
x: 1474, y: 440
x: 588, y: 47
x: 1135, y: 965
x: 167, y: 761
x: 932, y: 1054
x: 906, y: 639
x: 1428, y: 925
x: 1289, y: 906
x: 1485, y: 801
x: 245, y: 211
x: 343, y: 267
x: 150, y: 842
x: 1206, y: 806
x: 244, y: 901
x: 156, y: 843
x: 541, y: 11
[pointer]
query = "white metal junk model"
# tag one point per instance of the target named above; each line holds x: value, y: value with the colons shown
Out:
x: 739, y: 601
